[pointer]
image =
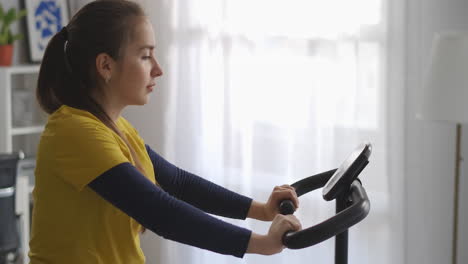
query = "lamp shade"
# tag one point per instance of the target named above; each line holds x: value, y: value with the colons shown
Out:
x: 444, y: 95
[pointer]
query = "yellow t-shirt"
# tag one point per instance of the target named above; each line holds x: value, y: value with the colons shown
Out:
x: 71, y: 223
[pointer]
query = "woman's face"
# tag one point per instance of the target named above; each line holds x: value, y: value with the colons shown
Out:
x: 138, y: 68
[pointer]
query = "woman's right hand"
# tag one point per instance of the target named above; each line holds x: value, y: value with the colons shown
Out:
x: 272, y: 242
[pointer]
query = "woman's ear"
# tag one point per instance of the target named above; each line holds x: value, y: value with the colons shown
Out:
x: 105, y: 66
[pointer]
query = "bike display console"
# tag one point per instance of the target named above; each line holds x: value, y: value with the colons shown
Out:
x: 347, y: 172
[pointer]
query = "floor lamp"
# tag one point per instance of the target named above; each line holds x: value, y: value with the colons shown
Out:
x: 444, y: 97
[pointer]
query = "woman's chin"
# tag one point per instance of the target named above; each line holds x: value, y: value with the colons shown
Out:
x: 141, y: 101
x: 146, y: 99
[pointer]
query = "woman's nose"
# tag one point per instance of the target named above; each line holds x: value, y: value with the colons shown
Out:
x: 156, y: 71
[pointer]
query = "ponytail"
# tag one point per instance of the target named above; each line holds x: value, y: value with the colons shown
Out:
x: 53, y: 74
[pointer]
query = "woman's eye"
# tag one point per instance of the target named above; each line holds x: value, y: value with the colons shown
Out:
x: 146, y: 57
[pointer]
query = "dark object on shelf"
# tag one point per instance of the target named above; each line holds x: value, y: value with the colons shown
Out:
x: 9, y: 233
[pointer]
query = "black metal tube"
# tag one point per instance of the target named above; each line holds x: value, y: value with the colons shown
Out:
x: 341, y: 240
x: 313, y: 182
x: 304, y: 186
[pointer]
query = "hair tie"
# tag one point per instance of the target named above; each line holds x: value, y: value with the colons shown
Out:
x: 64, y: 33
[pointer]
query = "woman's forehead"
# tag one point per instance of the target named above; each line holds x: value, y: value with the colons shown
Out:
x: 145, y: 47
x: 143, y: 36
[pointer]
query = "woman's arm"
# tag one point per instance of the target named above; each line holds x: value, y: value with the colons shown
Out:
x: 197, y: 191
x: 130, y: 191
x: 213, y: 198
x: 257, y: 211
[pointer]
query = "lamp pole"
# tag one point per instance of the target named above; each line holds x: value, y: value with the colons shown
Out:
x: 458, y: 159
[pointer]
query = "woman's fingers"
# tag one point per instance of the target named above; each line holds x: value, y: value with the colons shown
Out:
x: 295, y: 223
x: 288, y: 223
x: 286, y: 192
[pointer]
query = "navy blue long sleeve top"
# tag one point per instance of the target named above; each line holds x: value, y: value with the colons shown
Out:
x: 178, y: 210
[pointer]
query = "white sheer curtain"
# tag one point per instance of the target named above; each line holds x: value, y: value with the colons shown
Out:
x: 258, y: 93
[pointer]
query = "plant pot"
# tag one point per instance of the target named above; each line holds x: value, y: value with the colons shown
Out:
x: 6, y: 54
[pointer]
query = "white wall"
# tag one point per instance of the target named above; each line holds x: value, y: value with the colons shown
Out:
x: 430, y: 147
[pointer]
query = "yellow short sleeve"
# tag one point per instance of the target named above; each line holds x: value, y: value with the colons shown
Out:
x: 82, y: 148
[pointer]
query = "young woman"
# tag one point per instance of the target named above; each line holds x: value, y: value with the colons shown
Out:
x: 98, y: 185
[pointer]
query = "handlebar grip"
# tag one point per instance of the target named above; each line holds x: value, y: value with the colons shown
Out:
x: 354, y: 213
x: 286, y: 207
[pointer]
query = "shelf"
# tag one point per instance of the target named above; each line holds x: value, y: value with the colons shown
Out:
x: 22, y: 69
x: 27, y: 130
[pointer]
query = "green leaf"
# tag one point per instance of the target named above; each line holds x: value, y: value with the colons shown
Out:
x: 9, y: 37
x: 21, y: 13
x: 6, y: 19
x: 4, y: 34
x: 16, y: 37
x: 3, y: 39
x: 10, y: 16
x: 2, y: 13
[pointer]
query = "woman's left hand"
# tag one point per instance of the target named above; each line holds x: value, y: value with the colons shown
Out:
x: 279, y: 193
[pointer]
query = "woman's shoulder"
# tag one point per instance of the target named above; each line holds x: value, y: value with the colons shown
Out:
x: 67, y: 119
x: 123, y: 123
x: 130, y: 130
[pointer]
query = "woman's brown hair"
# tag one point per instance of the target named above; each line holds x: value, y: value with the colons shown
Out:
x: 68, y: 73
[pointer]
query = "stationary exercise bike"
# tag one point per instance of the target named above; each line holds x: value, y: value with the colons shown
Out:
x: 352, y: 204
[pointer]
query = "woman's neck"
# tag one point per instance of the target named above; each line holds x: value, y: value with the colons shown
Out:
x: 111, y: 107
x: 113, y: 113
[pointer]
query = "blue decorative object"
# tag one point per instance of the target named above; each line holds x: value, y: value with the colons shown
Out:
x: 45, y: 19
x: 48, y: 20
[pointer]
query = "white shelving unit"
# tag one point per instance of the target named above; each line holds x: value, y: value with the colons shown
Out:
x: 26, y: 130
x: 21, y: 123
x: 10, y: 82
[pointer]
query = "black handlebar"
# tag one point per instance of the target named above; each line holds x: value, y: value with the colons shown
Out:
x: 304, y: 186
x: 357, y: 208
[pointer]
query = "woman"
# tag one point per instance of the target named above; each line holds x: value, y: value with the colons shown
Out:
x: 98, y: 185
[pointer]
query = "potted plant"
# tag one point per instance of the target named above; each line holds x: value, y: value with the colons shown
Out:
x: 6, y: 36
